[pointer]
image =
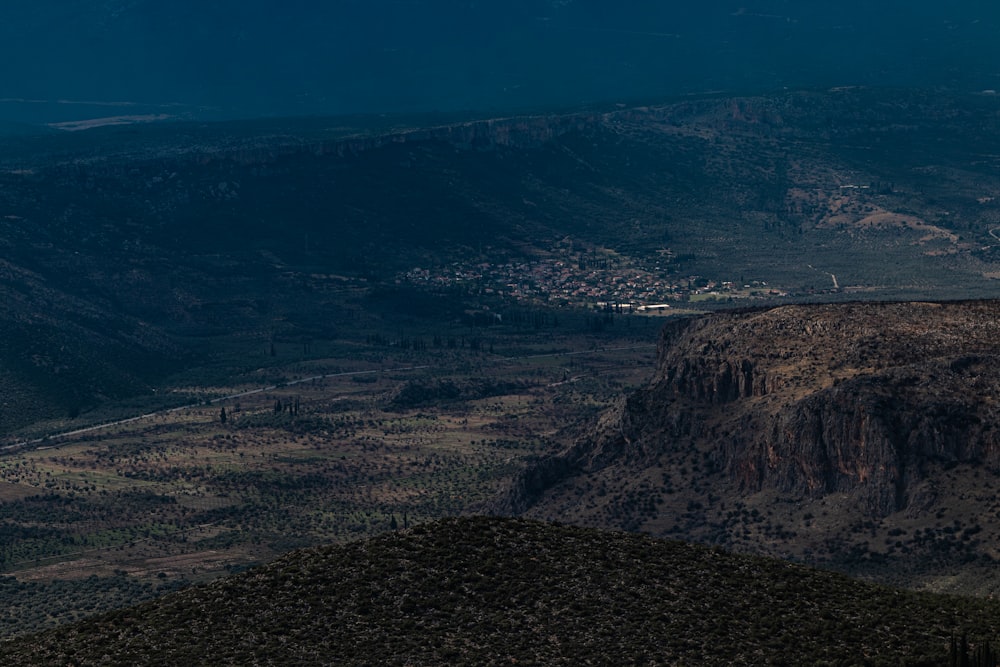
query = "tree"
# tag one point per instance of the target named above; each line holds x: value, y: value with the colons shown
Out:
x: 222, y: 414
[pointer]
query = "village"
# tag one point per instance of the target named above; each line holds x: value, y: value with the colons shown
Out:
x: 593, y: 279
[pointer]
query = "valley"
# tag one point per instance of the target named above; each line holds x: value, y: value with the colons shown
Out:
x: 223, y: 342
x: 330, y: 450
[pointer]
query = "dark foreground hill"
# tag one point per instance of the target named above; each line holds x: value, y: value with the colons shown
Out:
x: 859, y: 436
x: 495, y: 591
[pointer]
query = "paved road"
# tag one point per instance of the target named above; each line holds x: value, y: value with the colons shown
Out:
x: 221, y: 399
x: 40, y: 443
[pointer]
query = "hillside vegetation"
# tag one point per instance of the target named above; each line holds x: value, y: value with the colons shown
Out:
x: 501, y: 591
x: 106, y: 518
x: 134, y: 254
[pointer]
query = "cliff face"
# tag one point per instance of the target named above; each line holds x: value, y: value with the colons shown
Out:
x: 857, y: 399
x: 857, y: 436
x: 874, y: 435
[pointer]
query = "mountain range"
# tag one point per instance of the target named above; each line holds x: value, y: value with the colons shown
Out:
x: 149, y: 244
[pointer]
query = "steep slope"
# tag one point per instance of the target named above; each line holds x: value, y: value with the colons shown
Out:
x: 492, y: 591
x: 858, y: 435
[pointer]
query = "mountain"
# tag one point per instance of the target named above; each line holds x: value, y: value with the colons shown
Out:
x: 860, y: 436
x: 134, y: 253
x: 494, y: 591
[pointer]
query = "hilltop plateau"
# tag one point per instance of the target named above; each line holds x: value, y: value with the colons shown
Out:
x: 861, y: 436
x: 492, y: 591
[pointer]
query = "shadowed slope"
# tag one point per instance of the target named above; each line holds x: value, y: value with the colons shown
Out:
x: 492, y: 591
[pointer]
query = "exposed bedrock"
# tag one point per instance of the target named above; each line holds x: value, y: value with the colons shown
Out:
x: 858, y: 399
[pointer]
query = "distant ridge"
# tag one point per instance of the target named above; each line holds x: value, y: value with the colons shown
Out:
x: 498, y: 591
x: 763, y: 197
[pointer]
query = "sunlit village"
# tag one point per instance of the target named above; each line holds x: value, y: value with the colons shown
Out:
x: 594, y: 279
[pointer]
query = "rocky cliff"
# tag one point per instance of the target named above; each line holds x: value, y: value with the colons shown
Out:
x: 856, y: 398
x: 872, y: 408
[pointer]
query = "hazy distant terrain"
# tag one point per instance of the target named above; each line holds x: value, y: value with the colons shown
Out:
x: 87, y: 58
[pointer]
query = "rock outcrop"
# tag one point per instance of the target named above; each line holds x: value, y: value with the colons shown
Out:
x: 857, y: 399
